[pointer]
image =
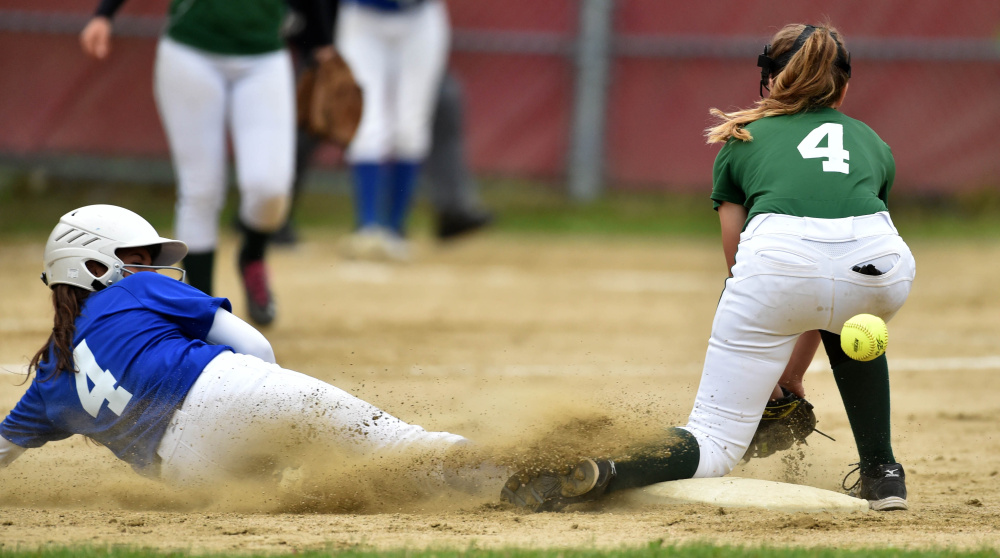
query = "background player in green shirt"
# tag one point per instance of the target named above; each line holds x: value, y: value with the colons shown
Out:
x: 801, y: 192
x: 222, y: 67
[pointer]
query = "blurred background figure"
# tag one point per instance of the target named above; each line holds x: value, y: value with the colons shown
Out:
x: 223, y: 67
x: 398, y: 50
x: 561, y: 97
x: 310, y: 43
x: 452, y: 190
x: 448, y: 181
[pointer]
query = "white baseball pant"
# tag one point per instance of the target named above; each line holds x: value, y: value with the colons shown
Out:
x: 200, y: 95
x: 244, y: 411
x: 792, y: 275
x: 398, y: 59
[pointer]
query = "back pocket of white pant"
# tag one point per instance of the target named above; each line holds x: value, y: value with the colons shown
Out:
x: 882, y: 264
x: 785, y: 259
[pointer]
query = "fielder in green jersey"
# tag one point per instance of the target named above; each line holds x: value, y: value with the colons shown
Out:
x: 819, y: 163
x: 801, y: 191
x: 227, y: 27
x: 223, y: 76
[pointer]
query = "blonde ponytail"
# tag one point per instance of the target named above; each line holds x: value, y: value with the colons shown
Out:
x: 811, y: 79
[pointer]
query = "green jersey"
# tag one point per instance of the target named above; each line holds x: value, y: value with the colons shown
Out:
x: 234, y: 27
x: 818, y: 163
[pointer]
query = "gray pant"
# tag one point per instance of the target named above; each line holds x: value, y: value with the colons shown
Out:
x: 449, y: 183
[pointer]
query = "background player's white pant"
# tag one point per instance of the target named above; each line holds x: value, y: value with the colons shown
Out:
x: 243, y: 411
x: 792, y: 275
x: 398, y: 59
x: 198, y: 94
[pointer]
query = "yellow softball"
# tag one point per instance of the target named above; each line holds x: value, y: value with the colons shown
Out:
x: 864, y: 337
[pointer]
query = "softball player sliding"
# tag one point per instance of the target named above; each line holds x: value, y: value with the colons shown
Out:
x: 801, y: 191
x: 167, y: 378
x: 222, y: 65
x: 398, y: 50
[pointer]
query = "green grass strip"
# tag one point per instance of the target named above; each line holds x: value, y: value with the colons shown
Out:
x: 523, y: 207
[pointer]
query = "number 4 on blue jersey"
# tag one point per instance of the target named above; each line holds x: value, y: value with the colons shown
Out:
x: 104, y: 384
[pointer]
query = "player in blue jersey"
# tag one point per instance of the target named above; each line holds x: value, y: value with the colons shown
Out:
x: 167, y: 378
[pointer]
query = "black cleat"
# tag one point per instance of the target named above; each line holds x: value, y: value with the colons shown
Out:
x: 885, y: 492
x: 453, y: 224
x: 552, y: 491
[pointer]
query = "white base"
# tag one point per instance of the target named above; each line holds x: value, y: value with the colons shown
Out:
x: 737, y: 492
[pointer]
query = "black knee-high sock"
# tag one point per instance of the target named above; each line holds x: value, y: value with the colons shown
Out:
x: 864, y: 388
x: 305, y: 146
x: 199, y: 270
x: 254, y: 245
x: 674, y: 458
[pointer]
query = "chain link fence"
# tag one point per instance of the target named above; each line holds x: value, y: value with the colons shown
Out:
x: 596, y: 94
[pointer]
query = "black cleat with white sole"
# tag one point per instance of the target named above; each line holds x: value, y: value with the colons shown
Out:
x: 552, y: 491
x: 884, y: 492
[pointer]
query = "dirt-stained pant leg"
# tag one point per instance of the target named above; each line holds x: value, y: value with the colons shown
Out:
x: 244, y: 413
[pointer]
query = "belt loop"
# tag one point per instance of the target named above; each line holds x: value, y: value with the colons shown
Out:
x: 872, y: 224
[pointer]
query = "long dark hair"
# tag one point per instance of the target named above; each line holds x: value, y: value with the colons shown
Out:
x: 811, y: 80
x: 67, y: 301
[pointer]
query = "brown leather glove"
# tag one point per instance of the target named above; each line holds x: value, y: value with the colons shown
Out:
x: 785, y: 422
x: 329, y: 101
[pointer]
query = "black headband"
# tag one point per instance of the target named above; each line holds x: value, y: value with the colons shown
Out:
x: 771, y: 66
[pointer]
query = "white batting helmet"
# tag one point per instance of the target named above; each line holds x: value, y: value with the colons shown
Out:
x: 93, y: 233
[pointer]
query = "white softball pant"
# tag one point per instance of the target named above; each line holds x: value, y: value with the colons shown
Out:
x: 792, y: 275
x: 398, y: 59
x: 243, y: 411
x: 200, y: 95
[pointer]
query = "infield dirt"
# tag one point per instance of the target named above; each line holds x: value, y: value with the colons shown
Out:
x: 515, y: 341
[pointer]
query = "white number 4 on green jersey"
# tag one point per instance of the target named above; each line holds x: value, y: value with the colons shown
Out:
x: 834, y: 153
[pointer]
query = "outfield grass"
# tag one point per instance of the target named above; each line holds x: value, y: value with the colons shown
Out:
x: 30, y: 209
x: 653, y: 550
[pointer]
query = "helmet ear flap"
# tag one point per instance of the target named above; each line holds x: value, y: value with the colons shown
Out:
x: 96, y: 268
x: 103, y: 275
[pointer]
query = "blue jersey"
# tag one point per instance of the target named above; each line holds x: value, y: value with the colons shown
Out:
x: 387, y: 5
x: 139, y: 347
